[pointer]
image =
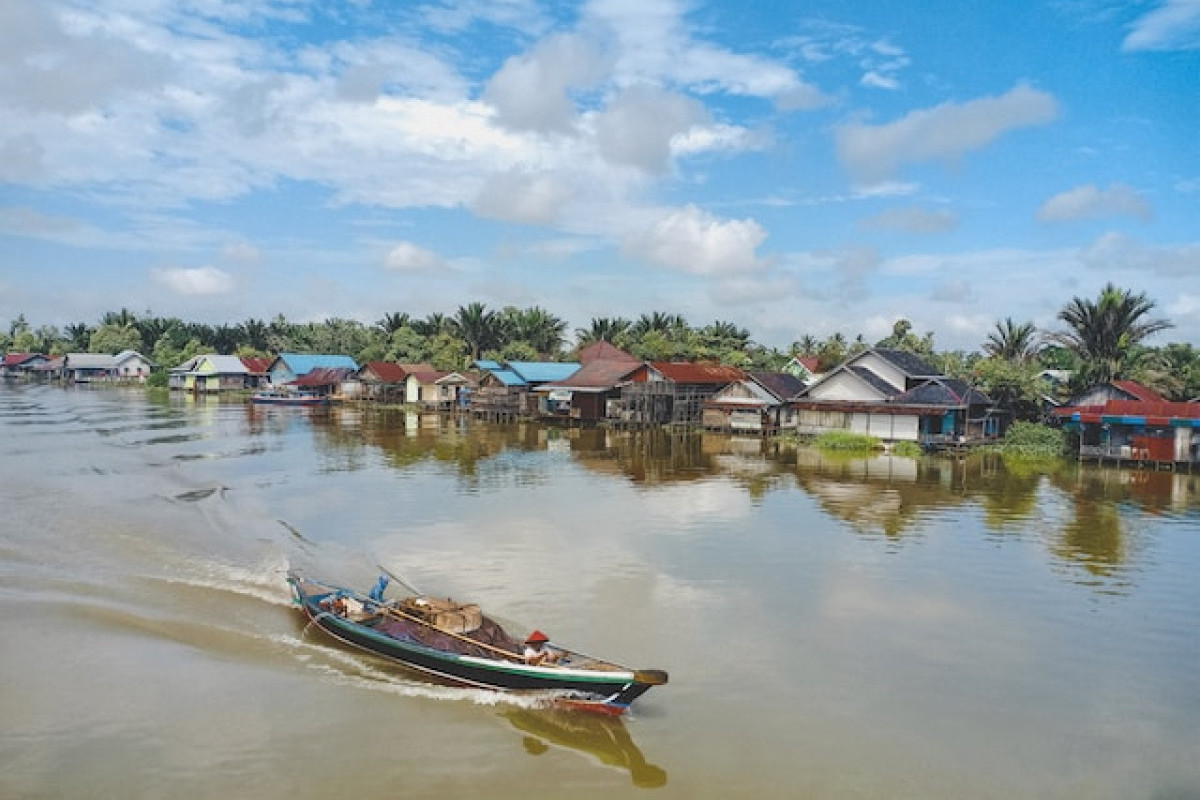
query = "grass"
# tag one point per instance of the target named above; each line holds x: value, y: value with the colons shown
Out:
x: 846, y: 441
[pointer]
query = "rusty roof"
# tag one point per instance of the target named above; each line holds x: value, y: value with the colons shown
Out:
x: 697, y: 373
x: 604, y: 351
x: 597, y: 375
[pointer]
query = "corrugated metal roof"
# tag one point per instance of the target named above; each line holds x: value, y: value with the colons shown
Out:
x: 604, y: 351
x: 543, y: 371
x: 90, y: 361
x: 303, y: 363
x: 324, y: 376
x: 597, y: 376
x: 782, y: 385
x: 1139, y: 392
x: 911, y: 364
x: 257, y: 365
x: 508, y: 377
x: 224, y: 365
x: 697, y: 373
x: 386, y: 371
x: 942, y: 392
x: 874, y: 381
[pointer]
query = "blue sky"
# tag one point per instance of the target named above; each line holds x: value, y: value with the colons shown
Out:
x: 794, y: 168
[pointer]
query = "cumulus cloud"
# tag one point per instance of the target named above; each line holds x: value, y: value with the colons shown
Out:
x: 408, y: 257
x: 1090, y: 202
x: 1175, y: 25
x: 653, y: 44
x: 194, y: 281
x: 1120, y: 252
x: 518, y: 195
x: 531, y: 91
x: 692, y: 240
x: 912, y: 219
x: 637, y: 127
x: 943, y: 133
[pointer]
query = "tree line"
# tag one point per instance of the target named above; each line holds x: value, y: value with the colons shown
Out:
x: 1100, y: 340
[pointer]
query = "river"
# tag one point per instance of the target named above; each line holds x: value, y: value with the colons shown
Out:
x: 833, y: 627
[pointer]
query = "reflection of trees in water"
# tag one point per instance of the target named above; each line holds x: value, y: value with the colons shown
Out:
x: 605, y: 739
x: 877, y: 495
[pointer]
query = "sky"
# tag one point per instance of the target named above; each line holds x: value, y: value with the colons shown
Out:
x: 795, y: 168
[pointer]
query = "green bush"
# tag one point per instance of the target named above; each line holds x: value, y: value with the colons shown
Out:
x: 1033, y: 439
x: 909, y: 449
x: 844, y: 440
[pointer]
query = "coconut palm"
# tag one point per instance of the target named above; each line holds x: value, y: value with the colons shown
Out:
x: 1104, y: 334
x: 536, y: 327
x: 1013, y: 342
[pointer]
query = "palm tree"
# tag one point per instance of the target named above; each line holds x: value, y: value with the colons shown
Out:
x: 603, y: 329
x: 78, y: 333
x: 1105, y: 333
x: 393, y: 322
x: 1013, y: 342
x: 433, y: 324
x: 478, y: 327
x: 537, y: 327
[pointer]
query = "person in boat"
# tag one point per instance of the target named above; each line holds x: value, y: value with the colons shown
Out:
x: 538, y: 650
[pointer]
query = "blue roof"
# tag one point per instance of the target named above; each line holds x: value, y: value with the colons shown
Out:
x: 544, y: 371
x: 490, y: 366
x: 303, y: 363
x: 507, y: 377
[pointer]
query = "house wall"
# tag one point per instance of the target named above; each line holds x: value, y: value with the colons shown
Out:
x: 890, y: 427
x: 844, y: 386
x: 884, y: 369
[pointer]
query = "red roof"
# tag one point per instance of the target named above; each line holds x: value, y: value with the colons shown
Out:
x: 604, y: 351
x: 1157, y: 412
x: 386, y: 371
x: 688, y: 372
x: 257, y: 365
x: 810, y: 363
x: 323, y: 376
x: 1143, y: 393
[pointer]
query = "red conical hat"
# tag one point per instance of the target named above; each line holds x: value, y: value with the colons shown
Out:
x: 538, y: 636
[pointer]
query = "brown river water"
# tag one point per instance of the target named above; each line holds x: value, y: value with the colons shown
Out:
x: 833, y: 627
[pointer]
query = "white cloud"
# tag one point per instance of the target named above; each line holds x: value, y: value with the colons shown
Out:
x: 534, y: 198
x: 1175, y: 25
x: 1090, y: 202
x: 913, y: 219
x: 637, y: 128
x: 944, y: 133
x: 1120, y: 252
x: 692, y: 240
x: 408, y: 257
x: 530, y: 92
x: 194, y: 282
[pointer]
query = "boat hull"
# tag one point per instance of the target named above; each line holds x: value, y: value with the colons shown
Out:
x: 603, y: 690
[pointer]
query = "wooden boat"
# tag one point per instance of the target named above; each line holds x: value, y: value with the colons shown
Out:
x: 456, y: 642
x: 277, y: 398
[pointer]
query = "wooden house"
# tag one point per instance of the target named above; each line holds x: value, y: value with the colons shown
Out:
x: 504, y: 388
x: 286, y: 368
x: 895, y: 395
x: 385, y: 381
x: 759, y: 403
x: 434, y: 389
x: 1126, y: 421
x: 673, y: 393
x: 22, y: 365
x: 592, y: 393
x: 128, y: 365
x: 210, y: 373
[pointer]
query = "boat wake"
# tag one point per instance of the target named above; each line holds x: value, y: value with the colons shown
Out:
x: 349, y: 669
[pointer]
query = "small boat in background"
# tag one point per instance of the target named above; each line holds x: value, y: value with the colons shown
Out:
x: 456, y: 642
x: 274, y: 397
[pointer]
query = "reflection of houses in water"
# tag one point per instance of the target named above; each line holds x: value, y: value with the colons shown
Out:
x: 603, y: 738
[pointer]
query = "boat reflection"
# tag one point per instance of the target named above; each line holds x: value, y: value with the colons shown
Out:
x: 605, y: 739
